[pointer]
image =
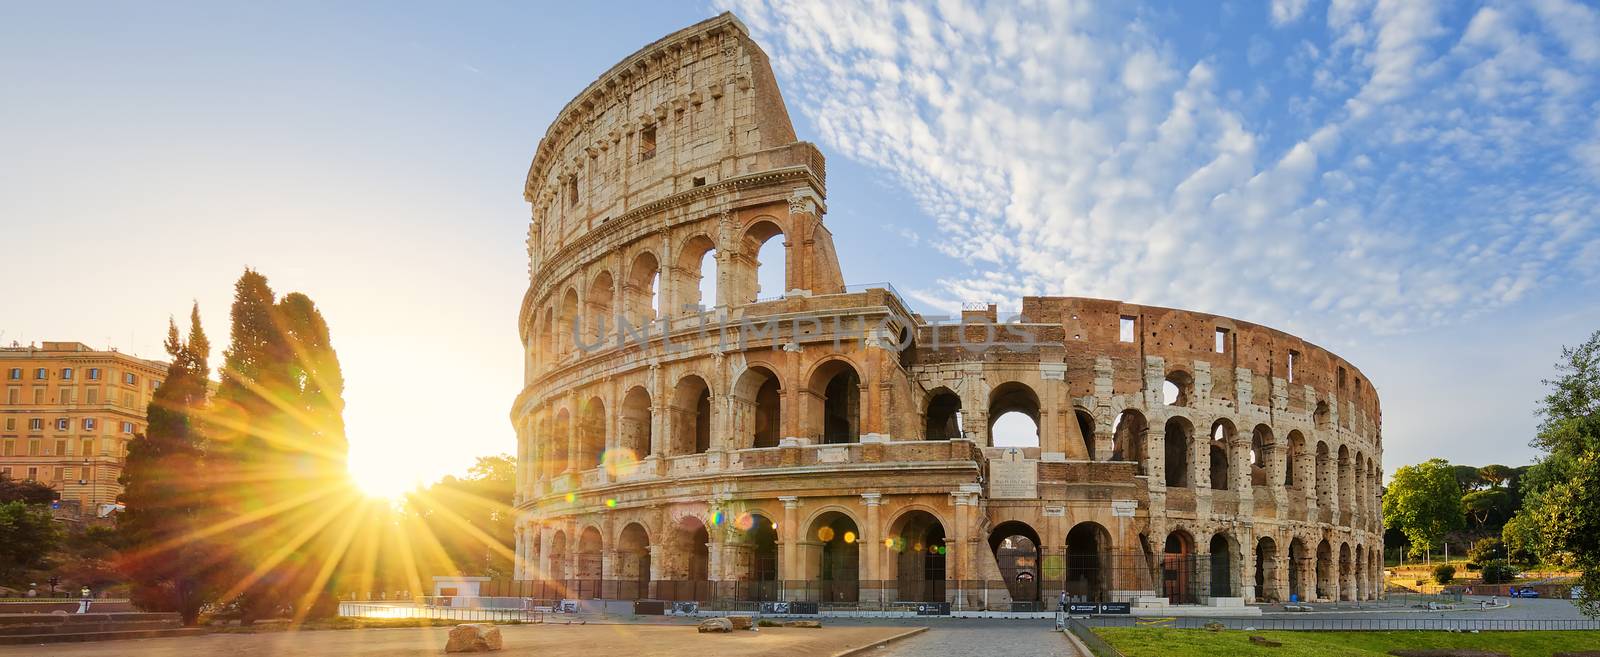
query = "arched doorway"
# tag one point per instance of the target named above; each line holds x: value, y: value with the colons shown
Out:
x: 757, y: 540
x: 591, y: 434
x: 917, y: 550
x: 555, y: 566
x: 1177, y: 566
x: 764, y: 242
x: 834, y: 554
x: 688, y: 562
x: 691, y: 416
x: 1262, y: 455
x: 836, y: 402
x: 1222, y: 563
x: 1128, y: 438
x: 1088, y: 563
x: 560, y: 459
x: 588, y: 562
x: 1016, y: 551
x: 1346, y: 574
x: 1178, y: 389
x: 642, y: 292
x: 1325, y: 572
x: 1086, y: 429
x: 1267, y: 584
x: 632, y: 570
x: 757, y: 403
x: 633, y: 432
x: 1179, y: 435
x: 1299, y: 561
x: 943, y: 416
x: 1013, y: 416
x: 1220, y: 454
x: 696, y: 276
x: 599, y: 322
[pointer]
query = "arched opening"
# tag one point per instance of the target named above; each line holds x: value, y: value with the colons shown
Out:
x: 1088, y: 563
x: 1221, y: 566
x: 1177, y: 556
x: 1086, y: 429
x: 688, y: 562
x: 1221, y: 441
x: 757, y: 540
x: 1359, y: 591
x: 1325, y: 573
x: 591, y: 434
x: 917, y: 553
x: 548, y: 343
x: 560, y: 459
x: 1321, y: 418
x: 943, y: 416
x: 691, y: 416
x: 632, y: 570
x: 555, y: 565
x: 1016, y: 552
x: 1178, y: 389
x: 1298, y: 561
x: 765, y: 242
x: 642, y: 293
x: 1262, y: 448
x: 1291, y: 459
x: 836, y: 401
x: 587, y: 563
x: 697, y: 275
x: 1013, y: 416
x: 599, y: 321
x: 1267, y: 585
x: 568, y: 323
x: 1343, y: 483
x: 757, y: 402
x: 1346, y: 573
x: 1179, y: 434
x: 633, y: 430
x: 1128, y: 438
x: 1324, y: 475
x: 834, y: 552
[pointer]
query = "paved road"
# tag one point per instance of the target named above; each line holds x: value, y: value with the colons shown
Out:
x: 982, y: 639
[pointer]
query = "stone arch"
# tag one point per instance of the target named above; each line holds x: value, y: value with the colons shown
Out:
x: 568, y: 322
x: 1325, y: 474
x: 757, y: 403
x: 588, y: 560
x: 916, y: 544
x: 1178, y: 388
x: 686, y: 560
x: 1224, y: 565
x: 1178, y: 567
x: 1322, y: 417
x: 1326, y: 584
x: 761, y: 253
x: 1219, y: 453
x: 1179, y: 439
x: 560, y: 456
x: 632, y: 568
x: 1014, y: 397
x: 555, y: 565
x: 1342, y: 485
x: 634, y: 426
x: 1089, y: 563
x: 755, y: 540
x: 641, y: 294
x: 1360, y: 573
x: 834, y: 401
x: 832, y: 550
x: 1268, y: 584
x: 1086, y: 429
x: 1346, y: 573
x: 1300, y: 563
x: 942, y: 415
x: 690, y: 272
x: 591, y: 434
x: 690, y: 412
x: 1263, y: 452
x: 1130, y: 438
x: 598, y: 316
x: 1291, y: 459
x: 1017, y: 550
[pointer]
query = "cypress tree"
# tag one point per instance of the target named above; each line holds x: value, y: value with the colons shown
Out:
x: 163, y: 488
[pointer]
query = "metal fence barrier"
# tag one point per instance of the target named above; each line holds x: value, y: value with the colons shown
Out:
x: 1099, y: 646
x: 463, y: 614
x: 1303, y: 623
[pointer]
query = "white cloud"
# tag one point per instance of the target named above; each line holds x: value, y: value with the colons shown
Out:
x: 1288, y: 11
x: 1068, y: 150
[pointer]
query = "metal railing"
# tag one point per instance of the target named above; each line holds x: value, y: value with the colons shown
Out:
x: 451, y: 613
x: 1097, y: 645
x: 1304, y: 623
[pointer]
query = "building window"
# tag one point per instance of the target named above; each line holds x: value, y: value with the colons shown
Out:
x: 33, y: 448
x: 66, y: 374
x: 5, y: 472
x: 1222, y: 341
x: 40, y: 374
x: 11, y: 424
x: 91, y: 396
x: 155, y: 383
x: 16, y: 373
x: 36, y: 424
x: 89, y: 424
x: 87, y: 446
x: 127, y: 427
x: 63, y: 424
x: 61, y: 448
x: 94, y: 374
x: 9, y: 448
x: 33, y: 474
x: 130, y: 378
x: 66, y: 395
x: 38, y: 396
x: 67, y: 476
x: 12, y: 395
x: 1293, y: 357
x: 647, y: 143
x: 1125, y: 329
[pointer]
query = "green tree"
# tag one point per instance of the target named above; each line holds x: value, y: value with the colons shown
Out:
x: 1424, y: 502
x: 27, y: 537
x: 471, y: 517
x: 1467, y: 477
x: 167, y: 561
x: 1562, y: 494
x: 31, y: 492
x: 1489, y: 506
x: 1522, y: 540
x: 1496, y: 475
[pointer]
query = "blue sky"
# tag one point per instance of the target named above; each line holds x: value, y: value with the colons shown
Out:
x: 1411, y: 184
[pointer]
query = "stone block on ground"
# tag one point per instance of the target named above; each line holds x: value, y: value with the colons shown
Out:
x: 473, y: 637
x: 1264, y: 641
x: 742, y: 622
x: 803, y: 623
x: 716, y: 625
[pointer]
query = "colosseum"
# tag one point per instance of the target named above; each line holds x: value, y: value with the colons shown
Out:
x: 825, y: 443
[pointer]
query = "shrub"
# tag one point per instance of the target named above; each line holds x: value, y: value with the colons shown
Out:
x: 1486, y: 550
x: 1444, y: 573
x: 1497, y: 572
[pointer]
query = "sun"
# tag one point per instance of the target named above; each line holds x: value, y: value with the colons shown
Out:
x: 375, y: 480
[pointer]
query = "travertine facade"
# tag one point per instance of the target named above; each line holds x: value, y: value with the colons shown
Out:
x: 826, y: 442
x: 68, y: 414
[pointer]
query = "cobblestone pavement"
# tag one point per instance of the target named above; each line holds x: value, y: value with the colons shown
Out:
x: 981, y: 639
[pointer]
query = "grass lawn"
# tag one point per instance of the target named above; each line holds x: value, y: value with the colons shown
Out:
x: 1165, y: 642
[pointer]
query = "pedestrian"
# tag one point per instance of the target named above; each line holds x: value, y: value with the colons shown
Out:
x: 83, y: 602
x: 1062, y: 604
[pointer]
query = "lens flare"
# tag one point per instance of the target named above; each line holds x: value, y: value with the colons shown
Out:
x: 825, y: 534
x: 619, y: 462
x: 849, y: 537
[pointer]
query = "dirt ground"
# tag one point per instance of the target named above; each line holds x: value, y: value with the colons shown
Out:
x: 542, y: 640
